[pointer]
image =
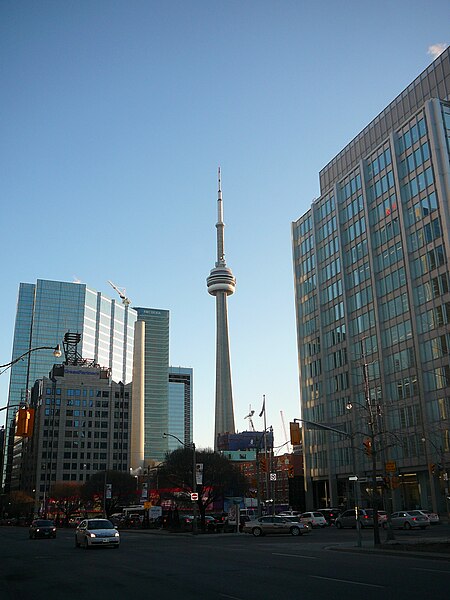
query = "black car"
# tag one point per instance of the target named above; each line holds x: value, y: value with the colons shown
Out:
x: 330, y: 514
x: 42, y: 528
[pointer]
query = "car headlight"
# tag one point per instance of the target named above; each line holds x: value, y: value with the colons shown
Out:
x: 54, y: 529
x: 37, y: 529
x: 92, y: 535
x: 117, y: 534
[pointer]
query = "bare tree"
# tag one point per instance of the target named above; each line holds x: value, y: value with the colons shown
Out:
x: 221, y: 477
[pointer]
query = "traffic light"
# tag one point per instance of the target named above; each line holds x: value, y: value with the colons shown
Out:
x: 295, y: 433
x: 25, y: 422
x: 368, y: 447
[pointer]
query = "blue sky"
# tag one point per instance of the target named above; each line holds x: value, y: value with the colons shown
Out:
x: 114, y: 118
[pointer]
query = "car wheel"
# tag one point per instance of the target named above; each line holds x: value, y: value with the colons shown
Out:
x: 257, y: 531
x: 407, y: 525
x: 295, y: 531
x: 86, y: 544
x: 338, y: 525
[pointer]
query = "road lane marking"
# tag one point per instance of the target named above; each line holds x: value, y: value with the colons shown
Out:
x: 430, y: 570
x: 295, y: 555
x: 232, y: 597
x: 347, y: 581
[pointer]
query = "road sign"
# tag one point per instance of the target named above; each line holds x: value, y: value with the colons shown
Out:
x: 353, y: 478
x: 273, y: 477
x: 390, y: 466
x: 363, y: 479
x: 194, y: 496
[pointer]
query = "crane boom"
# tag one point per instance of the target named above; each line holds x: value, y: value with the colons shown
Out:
x: 249, y: 417
x: 121, y: 293
x: 284, y: 428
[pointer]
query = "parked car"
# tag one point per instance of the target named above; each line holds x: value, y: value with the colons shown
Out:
x: 433, y: 517
x: 330, y: 514
x: 408, y: 519
x: 96, y: 532
x: 42, y: 528
x: 306, y: 526
x: 289, y: 513
x: 315, y: 519
x: 274, y: 524
x: 348, y: 518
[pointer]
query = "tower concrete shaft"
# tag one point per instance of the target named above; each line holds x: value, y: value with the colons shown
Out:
x: 221, y: 283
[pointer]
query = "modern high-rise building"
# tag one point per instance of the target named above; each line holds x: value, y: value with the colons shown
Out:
x: 152, y: 363
x: 372, y: 290
x: 46, y: 310
x: 180, y: 406
x: 81, y: 427
x: 221, y: 284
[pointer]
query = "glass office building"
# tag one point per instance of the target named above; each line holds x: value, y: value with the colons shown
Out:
x: 156, y: 381
x: 180, y: 406
x: 47, y: 310
x: 372, y: 291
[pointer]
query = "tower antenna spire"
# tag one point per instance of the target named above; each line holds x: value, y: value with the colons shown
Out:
x: 220, y: 225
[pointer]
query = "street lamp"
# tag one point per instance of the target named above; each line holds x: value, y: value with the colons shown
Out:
x: 371, y: 449
x: 56, y: 353
x: 194, y: 476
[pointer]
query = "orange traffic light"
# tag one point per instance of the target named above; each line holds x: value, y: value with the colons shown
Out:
x: 295, y: 433
x: 25, y: 422
x: 368, y: 447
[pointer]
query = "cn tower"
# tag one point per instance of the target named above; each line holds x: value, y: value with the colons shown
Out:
x: 221, y: 283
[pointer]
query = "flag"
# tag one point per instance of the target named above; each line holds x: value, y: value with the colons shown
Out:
x: 263, y: 410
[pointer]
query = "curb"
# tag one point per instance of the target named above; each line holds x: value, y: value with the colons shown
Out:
x: 391, y: 552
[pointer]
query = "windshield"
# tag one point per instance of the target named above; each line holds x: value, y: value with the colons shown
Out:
x: 43, y: 523
x: 100, y: 524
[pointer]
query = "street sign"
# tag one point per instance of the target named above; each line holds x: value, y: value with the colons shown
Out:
x: 353, y: 478
x: 390, y: 466
x: 363, y: 479
x: 155, y: 512
x: 273, y: 477
x: 194, y: 496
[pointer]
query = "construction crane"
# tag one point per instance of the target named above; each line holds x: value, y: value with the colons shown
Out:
x: 285, y: 432
x: 249, y: 417
x: 126, y: 301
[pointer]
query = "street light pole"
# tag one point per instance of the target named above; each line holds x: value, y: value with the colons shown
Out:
x: 194, y: 478
x: 350, y: 436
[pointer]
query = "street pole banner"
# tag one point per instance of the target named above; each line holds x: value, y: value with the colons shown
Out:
x: 108, y: 491
x: 199, y: 473
x: 144, y: 491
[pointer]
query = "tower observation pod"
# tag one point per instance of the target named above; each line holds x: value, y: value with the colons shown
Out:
x: 221, y: 283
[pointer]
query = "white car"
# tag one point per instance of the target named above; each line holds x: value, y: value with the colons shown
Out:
x: 315, y: 519
x: 408, y: 519
x: 96, y: 532
x: 433, y: 517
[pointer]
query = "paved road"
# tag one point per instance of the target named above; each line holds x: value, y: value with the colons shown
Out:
x: 209, y: 567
